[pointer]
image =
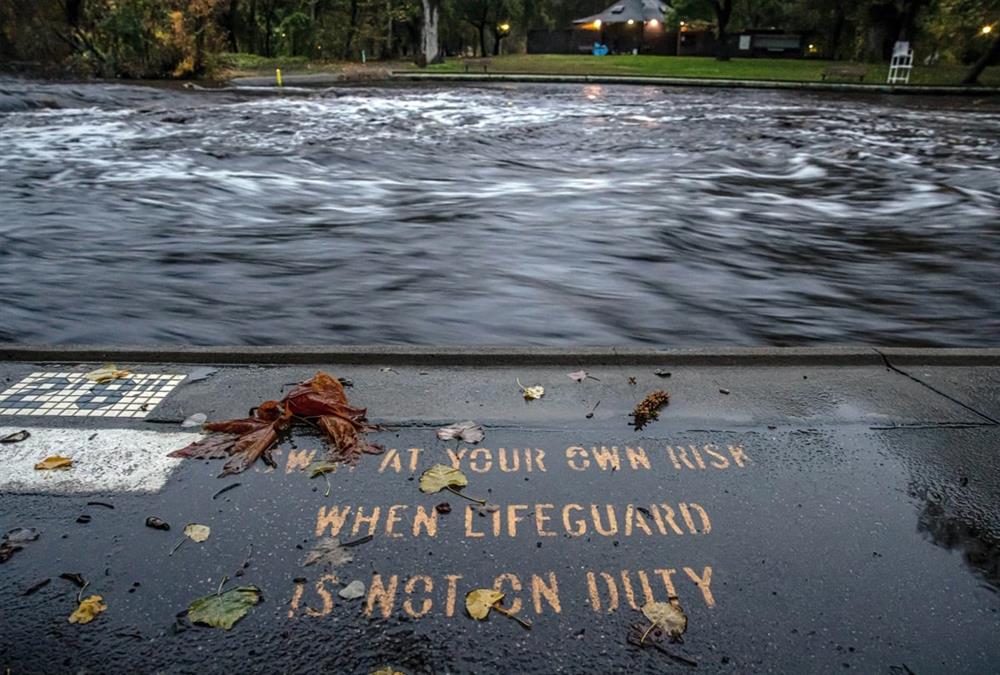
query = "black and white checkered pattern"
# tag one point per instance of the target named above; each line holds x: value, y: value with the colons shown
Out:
x: 73, y: 395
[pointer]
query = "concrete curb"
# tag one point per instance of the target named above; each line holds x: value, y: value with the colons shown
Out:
x: 504, y: 356
x: 957, y: 90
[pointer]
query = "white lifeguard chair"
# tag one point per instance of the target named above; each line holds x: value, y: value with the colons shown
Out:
x: 901, y: 64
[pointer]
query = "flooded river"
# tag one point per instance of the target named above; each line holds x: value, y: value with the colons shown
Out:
x: 527, y: 214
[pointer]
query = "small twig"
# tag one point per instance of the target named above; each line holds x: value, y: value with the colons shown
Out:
x: 79, y: 595
x: 591, y: 413
x: 226, y: 489
x: 246, y: 563
x: 37, y: 587
x: 179, y: 544
x: 326, y: 477
x: 222, y: 583
x: 104, y: 504
x: 357, y: 542
x: 481, y: 502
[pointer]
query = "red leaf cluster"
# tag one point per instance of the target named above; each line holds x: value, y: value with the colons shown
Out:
x: 320, y: 402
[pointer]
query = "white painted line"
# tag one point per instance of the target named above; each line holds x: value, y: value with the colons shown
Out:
x: 114, y: 460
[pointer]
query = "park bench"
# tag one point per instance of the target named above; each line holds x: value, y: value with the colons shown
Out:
x: 846, y: 72
x: 478, y: 63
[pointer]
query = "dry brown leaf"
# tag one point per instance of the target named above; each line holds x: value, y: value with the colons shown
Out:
x: 649, y: 408
x: 531, y: 393
x: 668, y: 617
x: 54, y: 463
x: 109, y: 372
x: 469, y: 431
x: 328, y: 551
x: 196, y: 532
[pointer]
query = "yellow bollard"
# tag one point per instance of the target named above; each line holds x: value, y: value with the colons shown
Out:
x: 277, y: 76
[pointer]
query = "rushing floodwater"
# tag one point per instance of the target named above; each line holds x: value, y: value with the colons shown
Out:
x: 520, y: 214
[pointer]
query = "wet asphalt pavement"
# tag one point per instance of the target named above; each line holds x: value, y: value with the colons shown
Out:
x: 812, y: 519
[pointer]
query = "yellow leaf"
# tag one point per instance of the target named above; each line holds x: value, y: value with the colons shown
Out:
x: 109, y: 372
x: 531, y: 393
x: 196, y: 532
x: 441, y: 476
x: 388, y: 670
x: 479, y: 602
x: 666, y: 616
x: 88, y: 610
x: 54, y: 463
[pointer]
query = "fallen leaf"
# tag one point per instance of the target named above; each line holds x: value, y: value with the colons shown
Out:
x: 157, y: 523
x: 319, y: 468
x: 440, y: 477
x: 352, y: 591
x: 223, y: 610
x: 75, y: 577
x: 54, y: 463
x: 16, y: 437
x: 195, y: 420
x: 479, y: 602
x: 196, y: 532
x: 649, y: 408
x: 668, y: 617
x: 469, y: 431
x: 22, y: 535
x: 531, y: 393
x: 88, y: 610
x: 319, y: 402
x: 443, y: 477
x: 578, y: 376
x: 109, y: 372
x: 443, y: 508
x: 242, y: 440
x: 7, y: 550
x: 661, y: 373
x: 388, y: 670
x: 329, y: 551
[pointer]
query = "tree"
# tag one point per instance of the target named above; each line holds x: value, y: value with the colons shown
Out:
x: 430, y: 47
x: 723, y: 12
x: 991, y: 55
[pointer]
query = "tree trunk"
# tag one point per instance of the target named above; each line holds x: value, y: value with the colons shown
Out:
x: 497, y: 41
x: 723, y: 11
x: 352, y: 29
x: 232, y: 16
x: 430, y: 50
x: 388, y: 32
x: 74, y: 11
x: 839, y: 19
x: 481, y: 28
x: 972, y: 77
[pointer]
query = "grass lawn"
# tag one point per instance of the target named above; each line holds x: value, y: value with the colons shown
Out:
x: 801, y: 70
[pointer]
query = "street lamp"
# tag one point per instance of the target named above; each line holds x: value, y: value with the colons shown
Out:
x: 987, y: 29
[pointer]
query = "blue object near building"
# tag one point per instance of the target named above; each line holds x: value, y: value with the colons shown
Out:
x: 600, y: 49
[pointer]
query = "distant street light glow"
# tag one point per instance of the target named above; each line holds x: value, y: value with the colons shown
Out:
x: 597, y: 24
x: 987, y: 30
x: 631, y: 22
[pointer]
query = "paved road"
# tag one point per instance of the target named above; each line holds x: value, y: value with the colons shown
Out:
x: 806, y: 517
